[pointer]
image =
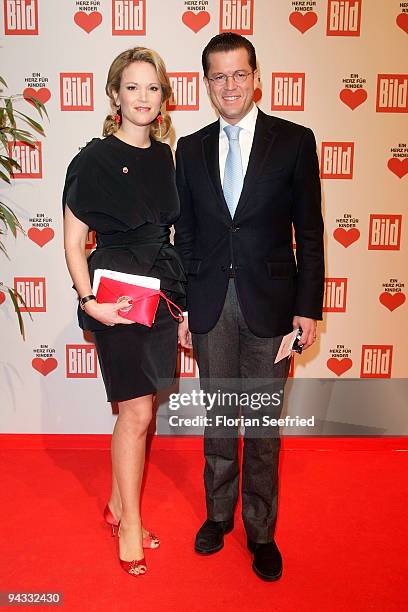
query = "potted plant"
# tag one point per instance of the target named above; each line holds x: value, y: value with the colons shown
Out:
x: 10, y: 132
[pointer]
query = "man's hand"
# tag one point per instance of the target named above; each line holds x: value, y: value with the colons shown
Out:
x: 184, y: 334
x: 309, y: 330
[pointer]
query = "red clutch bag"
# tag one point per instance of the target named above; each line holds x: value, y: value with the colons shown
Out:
x: 144, y: 292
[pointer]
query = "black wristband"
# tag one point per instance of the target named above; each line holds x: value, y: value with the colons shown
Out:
x: 86, y: 299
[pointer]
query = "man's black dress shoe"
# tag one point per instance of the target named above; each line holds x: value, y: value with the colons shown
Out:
x: 210, y: 537
x: 267, y: 562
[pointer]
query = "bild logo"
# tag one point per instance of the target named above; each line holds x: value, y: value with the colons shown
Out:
x: 90, y: 242
x: 185, y: 91
x: 21, y: 17
x: 32, y: 293
x: 392, y: 93
x: 29, y: 159
x: 384, y: 232
x: 81, y: 361
x: 288, y: 91
x: 337, y: 160
x: 186, y: 364
x: 76, y: 91
x: 343, y: 17
x: 237, y: 16
x: 128, y: 17
x: 376, y: 361
x: 335, y: 295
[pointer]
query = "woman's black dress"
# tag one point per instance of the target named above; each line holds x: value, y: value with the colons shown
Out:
x: 129, y: 196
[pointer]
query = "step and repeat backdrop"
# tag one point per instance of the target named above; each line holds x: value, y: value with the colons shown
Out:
x: 337, y: 66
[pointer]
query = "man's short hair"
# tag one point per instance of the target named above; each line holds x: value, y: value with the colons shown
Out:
x: 228, y: 41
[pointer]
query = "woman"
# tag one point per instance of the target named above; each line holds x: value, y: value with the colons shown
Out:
x: 123, y: 187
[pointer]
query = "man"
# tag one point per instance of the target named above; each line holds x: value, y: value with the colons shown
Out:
x: 243, y: 182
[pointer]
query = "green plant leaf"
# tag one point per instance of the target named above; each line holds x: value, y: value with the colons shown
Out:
x: 34, y: 124
x: 24, y: 136
x: 17, y: 309
x: 9, y: 160
x: 4, y: 177
x: 9, y: 164
x: 40, y: 107
x: 4, y: 141
x: 6, y: 165
x: 3, y: 248
x: 10, y: 112
x: 10, y: 219
x: 3, y: 82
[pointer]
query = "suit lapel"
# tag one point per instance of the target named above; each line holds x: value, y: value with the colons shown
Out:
x: 210, y: 144
x: 264, y: 136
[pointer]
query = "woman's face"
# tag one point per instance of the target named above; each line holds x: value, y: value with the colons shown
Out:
x: 139, y: 95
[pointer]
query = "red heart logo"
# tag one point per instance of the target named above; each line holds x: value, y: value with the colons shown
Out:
x: 398, y: 166
x: 392, y: 300
x: 40, y: 236
x: 402, y: 21
x: 346, y: 237
x: 2, y: 297
x: 88, y: 21
x: 42, y: 94
x: 303, y: 21
x: 44, y: 366
x: 353, y: 97
x: 339, y: 366
x: 196, y: 21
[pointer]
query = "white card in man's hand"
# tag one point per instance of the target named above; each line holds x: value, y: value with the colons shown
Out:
x: 286, y: 345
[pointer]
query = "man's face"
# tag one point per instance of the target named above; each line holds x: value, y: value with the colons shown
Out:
x: 232, y: 100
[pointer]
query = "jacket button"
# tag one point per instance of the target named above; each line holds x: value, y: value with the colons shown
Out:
x: 235, y: 228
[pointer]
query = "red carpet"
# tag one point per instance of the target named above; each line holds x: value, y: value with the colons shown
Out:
x: 342, y: 530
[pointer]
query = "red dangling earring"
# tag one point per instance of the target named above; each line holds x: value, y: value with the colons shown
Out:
x: 160, y: 120
x: 118, y: 117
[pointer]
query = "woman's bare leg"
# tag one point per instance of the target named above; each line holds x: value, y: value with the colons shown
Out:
x: 128, y: 456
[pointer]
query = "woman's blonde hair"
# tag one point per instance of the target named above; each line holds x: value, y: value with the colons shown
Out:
x: 138, y: 54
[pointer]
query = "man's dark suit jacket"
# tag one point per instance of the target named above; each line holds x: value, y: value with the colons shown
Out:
x: 281, y: 188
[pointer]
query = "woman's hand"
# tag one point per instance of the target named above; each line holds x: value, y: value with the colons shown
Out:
x: 108, y: 314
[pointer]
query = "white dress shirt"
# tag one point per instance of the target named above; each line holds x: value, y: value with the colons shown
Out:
x: 246, y: 137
